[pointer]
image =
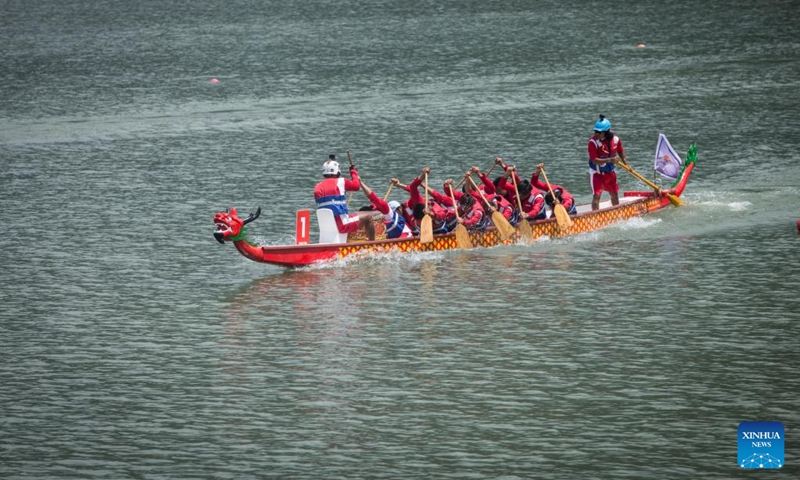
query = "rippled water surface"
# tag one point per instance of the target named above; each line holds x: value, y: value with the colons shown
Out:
x: 135, y: 346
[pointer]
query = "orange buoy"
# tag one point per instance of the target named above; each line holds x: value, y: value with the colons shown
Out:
x: 641, y: 45
x: 214, y: 80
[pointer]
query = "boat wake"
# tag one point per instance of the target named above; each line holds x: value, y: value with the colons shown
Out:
x: 731, y: 206
x: 368, y: 257
x: 637, y: 223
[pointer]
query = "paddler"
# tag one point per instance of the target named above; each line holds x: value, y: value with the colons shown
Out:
x: 414, y: 209
x: 392, y: 214
x: 531, y: 198
x: 471, y: 214
x: 500, y: 186
x: 407, y: 208
x: 563, y: 196
x: 495, y: 197
x: 443, y: 219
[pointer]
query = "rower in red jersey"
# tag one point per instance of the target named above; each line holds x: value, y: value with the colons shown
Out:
x: 501, y: 204
x: 467, y: 189
x: 487, y: 186
x: 471, y: 214
x: 564, y: 197
x: 407, y: 208
x: 443, y: 219
x: 500, y: 186
x: 532, y: 198
x: 494, y: 200
x: 393, y: 220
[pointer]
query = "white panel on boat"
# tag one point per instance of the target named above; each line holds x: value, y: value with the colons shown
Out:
x: 328, y: 231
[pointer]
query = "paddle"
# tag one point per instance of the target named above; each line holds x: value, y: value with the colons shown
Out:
x: 458, y: 184
x: 490, y: 169
x: 426, y: 226
x: 562, y: 217
x: 462, y: 236
x: 349, y: 195
x: 673, y: 199
x: 505, y: 228
x: 387, y: 191
x: 465, y: 178
x: 524, y: 225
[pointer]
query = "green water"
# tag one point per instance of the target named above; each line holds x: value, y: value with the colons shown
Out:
x: 135, y: 346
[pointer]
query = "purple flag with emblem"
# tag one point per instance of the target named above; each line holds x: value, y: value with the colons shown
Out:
x: 668, y: 163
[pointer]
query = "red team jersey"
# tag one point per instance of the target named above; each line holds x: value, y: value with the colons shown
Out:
x: 331, y: 193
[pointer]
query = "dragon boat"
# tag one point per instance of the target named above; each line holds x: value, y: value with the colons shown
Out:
x: 332, y: 245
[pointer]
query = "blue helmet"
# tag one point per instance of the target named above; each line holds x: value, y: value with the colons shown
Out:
x: 602, y: 125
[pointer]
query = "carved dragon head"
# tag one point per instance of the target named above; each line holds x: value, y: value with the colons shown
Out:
x: 229, y: 226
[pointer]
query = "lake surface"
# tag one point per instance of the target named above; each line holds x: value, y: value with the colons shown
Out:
x: 135, y: 346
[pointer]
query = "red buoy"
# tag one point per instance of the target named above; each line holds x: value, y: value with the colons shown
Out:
x: 798, y: 226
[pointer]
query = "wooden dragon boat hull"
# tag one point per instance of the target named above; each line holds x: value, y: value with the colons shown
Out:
x: 632, y: 204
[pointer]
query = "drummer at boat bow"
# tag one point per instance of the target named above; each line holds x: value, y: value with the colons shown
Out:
x: 604, y: 147
x: 331, y: 193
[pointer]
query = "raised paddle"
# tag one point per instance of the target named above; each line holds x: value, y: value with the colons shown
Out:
x: 349, y: 195
x: 465, y: 178
x: 490, y: 169
x: 524, y: 225
x: 387, y: 191
x: 562, y: 217
x: 462, y: 236
x: 461, y: 182
x: 673, y: 199
x: 426, y: 227
x: 506, y: 229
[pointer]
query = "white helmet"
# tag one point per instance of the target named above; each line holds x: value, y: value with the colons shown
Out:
x: 394, y: 205
x: 330, y: 167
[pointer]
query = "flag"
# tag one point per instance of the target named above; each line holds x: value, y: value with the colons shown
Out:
x: 668, y: 163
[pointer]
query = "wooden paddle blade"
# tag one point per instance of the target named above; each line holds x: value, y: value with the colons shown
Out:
x: 505, y: 228
x: 674, y: 200
x: 525, y: 229
x: 562, y: 217
x: 426, y: 229
x: 462, y: 237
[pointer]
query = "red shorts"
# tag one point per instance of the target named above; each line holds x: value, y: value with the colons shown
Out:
x: 603, y: 181
x: 348, y: 223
